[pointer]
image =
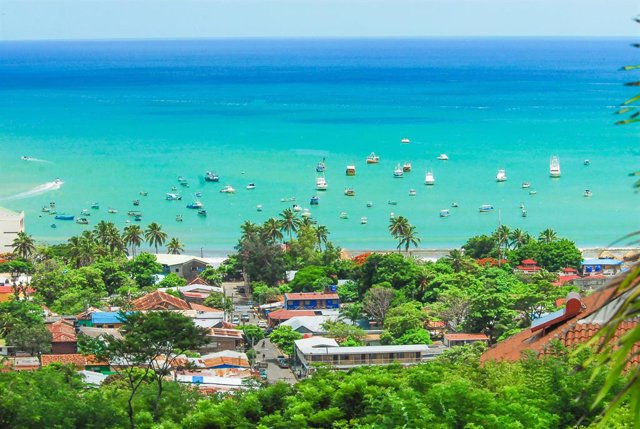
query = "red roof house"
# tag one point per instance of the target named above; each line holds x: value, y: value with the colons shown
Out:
x: 63, y: 337
x: 158, y: 300
x: 528, y: 266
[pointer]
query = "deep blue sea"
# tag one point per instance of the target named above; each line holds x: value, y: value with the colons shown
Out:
x: 111, y: 119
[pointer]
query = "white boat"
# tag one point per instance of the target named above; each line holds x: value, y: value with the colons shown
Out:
x: 112, y: 211
x: 398, y: 173
x: 373, y: 158
x: 85, y: 212
x: 297, y: 208
x: 196, y: 205
x: 486, y: 208
x: 405, y: 141
x: 351, y: 170
x: 412, y: 192
x: 172, y: 197
x: 429, y: 179
x: 443, y: 157
x: 306, y: 213
x: 587, y: 193
x: 524, y: 212
x: 532, y: 192
x: 321, y: 184
x: 526, y: 185
x: 445, y: 213
x: 344, y: 215
x: 349, y: 192
x: 287, y: 200
x: 501, y: 176
x: 586, y: 162
x: 211, y: 177
x: 228, y: 190
x: 259, y: 207
x: 369, y: 204
x: 178, y: 218
x: 363, y: 220
x: 454, y: 204
x: 251, y: 186
x: 321, y: 167
x: 554, y: 167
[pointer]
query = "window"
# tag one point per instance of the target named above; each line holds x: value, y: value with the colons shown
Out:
x: 400, y: 355
x: 307, y: 302
x: 363, y: 356
x: 177, y: 270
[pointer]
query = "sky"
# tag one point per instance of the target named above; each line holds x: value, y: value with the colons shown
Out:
x: 174, y: 19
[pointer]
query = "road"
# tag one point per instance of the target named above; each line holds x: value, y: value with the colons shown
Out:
x: 274, y: 372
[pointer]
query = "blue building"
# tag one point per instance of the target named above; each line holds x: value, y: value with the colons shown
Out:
x: 603, y: 266
x: 106, y: 319
x: 311, y: 300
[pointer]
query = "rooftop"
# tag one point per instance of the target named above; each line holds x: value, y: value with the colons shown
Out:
x: 106, y: 317
x: 311, y: 295
x: 323, y: 346
x: 159, y: 300
x: 6, y: 214
x: 466, y: 337
x: 283, y: 314
x: 62, y: 332
x: 603, y: 261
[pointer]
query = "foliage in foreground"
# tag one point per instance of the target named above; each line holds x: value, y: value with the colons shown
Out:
x: 454, y: 392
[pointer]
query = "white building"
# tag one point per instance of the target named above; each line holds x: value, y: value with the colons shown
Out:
x: 11, y: 223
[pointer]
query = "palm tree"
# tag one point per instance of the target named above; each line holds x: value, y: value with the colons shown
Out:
x: 271, y: 229
x: 249, y: 229
x: 352, y: 312
x: 458, y: 260
x: 108, y: 236
x: 23, y: 245
x: 82, y: 249
x: 322, y: 234
x: 290, y: 222
x: 398, y: 226
x: 519, y: 238
x: 132, y: 237
x: 547, y: 236
x: 174, y: 247
x: 154, y: 235
x: 409, y: 237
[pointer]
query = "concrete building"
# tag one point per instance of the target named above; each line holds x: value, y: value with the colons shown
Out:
x: 11, y: 223
x: 461, y: 339
x: 311, y: 300
x: 186, y: 266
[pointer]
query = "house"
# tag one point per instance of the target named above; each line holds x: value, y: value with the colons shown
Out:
x: 158, y: 300
x: 92, y: 332
x: 225, y: 359
x: 212, y: 384
x: 528, y: 266
x: 309, y: 324
x: 6, y: 293
x: 81, y: 362
x: 26, y: 363
x: 319, y: 350
x: 63, y: 337
x: 311, y: 300
x: 277, y: 317
x: 223, y: 339
x: 106, y: 319
x: 185, y: 266
x: 5, y: 350
x: 573, y: 325
x: 11, y: 223
x: 452, y: 340
x: 604, y: 266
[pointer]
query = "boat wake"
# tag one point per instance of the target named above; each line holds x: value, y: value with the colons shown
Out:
x: 38, y: 190
x: 29, y: 159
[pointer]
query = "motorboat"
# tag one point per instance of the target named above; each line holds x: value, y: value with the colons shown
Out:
x: 406, y: 167
x: 134, y: 213
x: 587, y: 193
x: 344, y: 215
x: 136, y: 202
x: 443, y: 157
x: 184, y: 183
x: 52, y: 205
x: 64, y: 217
x: 373, y: 158
x: 297, y: 208
x: 85, y: 212
x: 174, y: 188
x: 363, y: 220
x: 198, y: 194
x: 321, y: 184
x: 195, y: 205
x: 179, y: 218
x: 349, y: 192
x: 144, y: 193
x: 412, y: 192
x: 351, y: 170
x: 586, y: 162
x: 45, y: 209
x: 138, y: 218
x: 321, y: 166
x: 369, y: 204
x: 306, y: 213
x: 94, y: 206
x: 211, y: 177
x: 532, y: 192
x: 523, y: 212
x: 392, y: 215
x: 287, y: 200
x: 170, y: 196
x: 251, y: 186
x: 25, y: 158
x: 228, y: 190
x: 259, y: 207
x: 521, y: 206
x: 392, y: 203
x: 454, y: 204
x: 53, y: 225
x: 554, y: 167
x: 445, y: 213
x: 398, y: 173
x: 405, y: 141
x: 486, y: 208
x: 202, y: 212
x: 314, y: 201
x: 52, y: 212
x: 429, y: 179
x: 501, y: 176
x: 526, y: 185
x: 82, y: 221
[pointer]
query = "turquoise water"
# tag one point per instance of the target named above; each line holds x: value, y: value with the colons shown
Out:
x: 114, y: 118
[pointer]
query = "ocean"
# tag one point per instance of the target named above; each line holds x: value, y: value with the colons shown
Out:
x: 112, y: 119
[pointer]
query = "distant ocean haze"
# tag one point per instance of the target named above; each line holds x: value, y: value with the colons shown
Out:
x: 115, y: 118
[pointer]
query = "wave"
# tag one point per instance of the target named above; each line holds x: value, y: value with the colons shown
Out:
x: 38, y: 190
x: 29, y: 159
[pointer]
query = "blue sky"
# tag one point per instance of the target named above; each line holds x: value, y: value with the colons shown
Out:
x: 116, y: 19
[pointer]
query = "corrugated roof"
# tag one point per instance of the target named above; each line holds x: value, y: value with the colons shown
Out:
x: 106, y: 317
x: 158, y: 300
x: 604, y: 261
x: 283, y: 314
x: 62, y: 332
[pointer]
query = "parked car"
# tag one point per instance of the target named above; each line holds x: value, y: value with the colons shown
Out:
x: 235, y: 320
x: 282, y: 362
x: 241, y: 290
x: 244, y: 317
x: 262, y: 324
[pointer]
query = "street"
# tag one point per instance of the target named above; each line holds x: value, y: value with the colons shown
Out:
x: 274, y: 372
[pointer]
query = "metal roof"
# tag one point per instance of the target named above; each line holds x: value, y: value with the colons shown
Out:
x: 604, y: 261
x: 324, y: 346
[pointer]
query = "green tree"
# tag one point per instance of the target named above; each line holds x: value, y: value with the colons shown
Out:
x: 342, y: 332
x: 271, y: 229
x: 352, y: 312
x: 82, y: 250
x: 289, y: 222
x: 306, y: 277
x: 480, y: 246
x: 23, y: 245
x: 284, y: 337
x: 175, y: 247
x: 108, y: 235
x: 398, y: 227
x: 322, y: 236
x: 377, y: 302
x: 547, y: 236
x: 34, y: 339
x: 172, y: 280
x: 143, y: 269
x: 154, y: 235
x: 459, y: 261
x: 408, y: 318
x: 133, y: 237
x: 348, y: 291
x: 212, y: 276
x: 409, y: 238
x: 219, y: 301
x: 252, y: 334
x: 261, y: 260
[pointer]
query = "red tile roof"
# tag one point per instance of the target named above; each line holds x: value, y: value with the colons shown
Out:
x: 62, y: 332
x: 200, y: 307
x: 198, y: 281
x: 229, y: 333
x: 466, y: 337
x: 226, y: 360
x: 311, y: 295
x: 75, y: 359
x: 283, y: 314
x: 527, y: 268
x: 569, y: 270
x: 528, y: 262
x: 569, y: 332
x: 159, y: 300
